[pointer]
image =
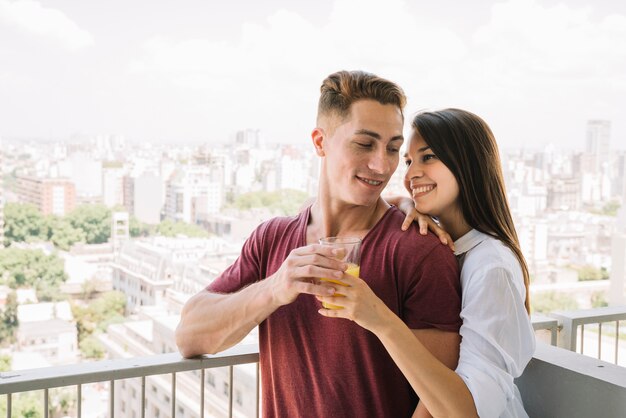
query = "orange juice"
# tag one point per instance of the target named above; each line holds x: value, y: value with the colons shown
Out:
x: 354, y: 271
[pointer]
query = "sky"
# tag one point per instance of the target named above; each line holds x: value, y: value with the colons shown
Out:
x: 199, y: 70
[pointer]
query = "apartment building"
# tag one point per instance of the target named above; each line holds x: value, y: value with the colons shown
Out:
x: 153, y: 333
x: 52, y: 196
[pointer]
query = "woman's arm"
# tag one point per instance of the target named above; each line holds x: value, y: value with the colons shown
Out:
x: 426, y: 357
x: 440, y: 389
x: 425, y: 222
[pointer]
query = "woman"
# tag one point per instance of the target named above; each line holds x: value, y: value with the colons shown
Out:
x: 454, y: 174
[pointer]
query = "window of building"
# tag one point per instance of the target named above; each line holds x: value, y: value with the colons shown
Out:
x: 157, y: 413
x: 123, y: 406
x: 133, y: 393
x: 210, y: 379
x: 238, y: 397
x: 181, y: 410
x: 154, y: 389
x: 167, y: 399
x: 226, y: 388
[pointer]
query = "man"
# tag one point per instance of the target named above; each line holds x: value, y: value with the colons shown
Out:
x: 312, y: 366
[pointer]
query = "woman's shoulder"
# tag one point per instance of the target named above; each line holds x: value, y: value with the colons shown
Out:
x: 490, y: 254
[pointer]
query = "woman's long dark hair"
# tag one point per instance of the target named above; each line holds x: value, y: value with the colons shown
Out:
x: 466, y: 145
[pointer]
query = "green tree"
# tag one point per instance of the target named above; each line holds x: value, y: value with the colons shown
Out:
x: 598, y: 300
x: 62, y: 234
x: 9, y: 181
x: 24, y: 223
x: 283, y: 202
x: 24, y: 405
x: 95, y: 317
x: 289, y: 202
x: 609, y: 209
x: 552, y: 301
x: 108, y: 307
x: 91, y: 348
x: 94, y: 221
x: 32, y: 268
x: 89, y: 288
x: 5, y: 363
x: 137, y: 228
x: 9, y: 321
x: 169, y: 228
x: 586, y: 273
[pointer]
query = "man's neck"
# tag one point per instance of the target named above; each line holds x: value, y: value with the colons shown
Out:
x: 331, y: 218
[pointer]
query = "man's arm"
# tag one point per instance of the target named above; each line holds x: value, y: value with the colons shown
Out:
x: 212, y: 322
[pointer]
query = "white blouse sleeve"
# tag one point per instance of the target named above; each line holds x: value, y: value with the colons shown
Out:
x: 497, y: 338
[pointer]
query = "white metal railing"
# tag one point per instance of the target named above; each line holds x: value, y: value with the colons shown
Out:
x: 561, y: 325
x: 541, y: 322
x: 571, y: 321
x: 114, y: 370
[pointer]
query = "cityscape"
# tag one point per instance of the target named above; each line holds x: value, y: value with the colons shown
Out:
x: 141, y: 143
x: 105, y: 240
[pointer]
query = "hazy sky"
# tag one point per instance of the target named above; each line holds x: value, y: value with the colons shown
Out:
x: 199, y: 70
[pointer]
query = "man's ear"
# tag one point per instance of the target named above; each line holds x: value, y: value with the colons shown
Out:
x: 317, y: 136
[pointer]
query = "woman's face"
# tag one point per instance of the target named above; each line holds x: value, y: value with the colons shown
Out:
x: 434, y: 188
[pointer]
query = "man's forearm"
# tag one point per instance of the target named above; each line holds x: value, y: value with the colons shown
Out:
x: 213, y: 322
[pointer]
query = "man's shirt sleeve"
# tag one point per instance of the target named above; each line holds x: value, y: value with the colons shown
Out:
x: 434, y: 297
x: 245, y: 270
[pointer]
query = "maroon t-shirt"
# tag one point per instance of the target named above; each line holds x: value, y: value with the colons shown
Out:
x: 313, y: 366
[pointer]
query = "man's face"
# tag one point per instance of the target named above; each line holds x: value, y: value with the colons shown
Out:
x: 362, y: 152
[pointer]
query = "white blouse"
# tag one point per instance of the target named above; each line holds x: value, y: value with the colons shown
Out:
x: 498, y: 339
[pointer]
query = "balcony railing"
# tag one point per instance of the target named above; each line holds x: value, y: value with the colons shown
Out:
x: 593, y: 320
x: 115, y: 370
x: 541, y: 322
x: 557, y: 382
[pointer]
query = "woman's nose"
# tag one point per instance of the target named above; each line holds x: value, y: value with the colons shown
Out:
x: 413, y: 172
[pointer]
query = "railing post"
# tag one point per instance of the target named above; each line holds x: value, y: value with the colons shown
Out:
x: 258, y: 389
x: 112, y: 399
x: 541, y: 322
x: 553, y: 336
x: 600, y: 341
x: 174, y: 395
x: 202, y: 393
x: 567, y: 337
x: 616, y: 340
x: 79, y: 403
x: 46, y: 403
x: 230, y: 391
x: 143, y: 396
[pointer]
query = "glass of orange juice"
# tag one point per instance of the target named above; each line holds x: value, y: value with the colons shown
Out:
x: 351, y: 256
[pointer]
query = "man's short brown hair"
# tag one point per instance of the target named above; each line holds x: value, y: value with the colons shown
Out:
x: 339, y: 90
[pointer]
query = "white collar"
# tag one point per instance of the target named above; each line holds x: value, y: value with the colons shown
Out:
x: 469, y: 241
